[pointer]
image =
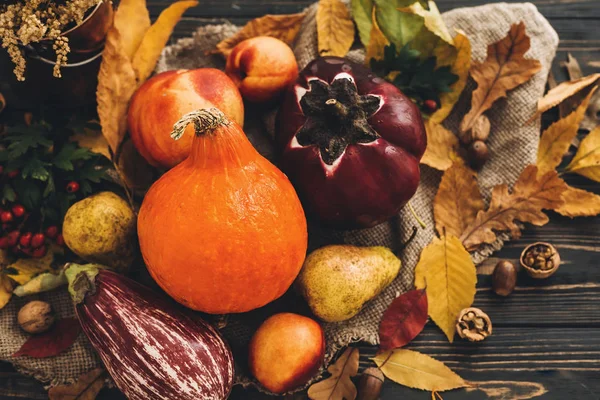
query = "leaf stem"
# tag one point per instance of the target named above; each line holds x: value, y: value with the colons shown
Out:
x: 412, y: 211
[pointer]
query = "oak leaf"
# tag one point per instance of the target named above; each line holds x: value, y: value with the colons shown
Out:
x: 587, y: 159
x: 418, y: 371
x: 556, y: 140
x: 132, y: 20
x: 338, y: 386
x: 6, y: 290
x: 59, y: 338
x: 579, y: 203
x: 531, y: 194
x: 156, y: 38
x: 335, y: 29
x: 87, y: 387
x: 446, y: 270
x: 442, y: 147
x: 116, y: 85
x: 403, y: 320
x: 504, y: 69
x: 566, y: 89
x: 282, y: 27
x: 457, y: 201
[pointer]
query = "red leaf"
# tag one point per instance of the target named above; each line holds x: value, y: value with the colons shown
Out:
x: 404, y: 319
x: 48, y: 344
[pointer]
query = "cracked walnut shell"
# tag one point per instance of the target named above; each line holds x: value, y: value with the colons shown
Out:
x: 473, y: 324
x: 540, y: 260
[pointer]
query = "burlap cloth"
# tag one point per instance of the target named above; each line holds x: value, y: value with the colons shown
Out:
x: 512, y: 144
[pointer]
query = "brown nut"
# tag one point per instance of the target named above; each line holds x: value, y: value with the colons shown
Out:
x: 540, y: 260
x: 504, y: 278
x: 36, y: 317
x: 479, y: 131
x: 473, y: 324
x: 370, y: 383
x: 478, y: 154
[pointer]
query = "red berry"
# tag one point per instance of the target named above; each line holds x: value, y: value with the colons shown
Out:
x: 39, y: 252
x: 18, y: 210
x: 430, y: 105
x: 13, y: 174
x: 4, y: 243
x: 13, y: 238
x: 52, y: 231
x: 60, y: 240
x: 25, y: 239
x: 6, y: 217
x: 72, y: 187
x: 38, y: 240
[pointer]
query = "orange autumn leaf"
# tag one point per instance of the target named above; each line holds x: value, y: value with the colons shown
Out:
x: 587, y: 159
x: 457, y: 201
x: 338, y: 386
x: 555, y: 140
x: 504, y: 69
x: 442, y: 147
x: 377, y: 41
x: 530, y: 195
x: 579, y: 203
x: 560, y: 93
x: 156, y: 38
x: 282, y: 27
x: 335, y: 28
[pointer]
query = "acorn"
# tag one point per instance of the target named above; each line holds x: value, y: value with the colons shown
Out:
x: 370, y: 384
x: 478, y: 154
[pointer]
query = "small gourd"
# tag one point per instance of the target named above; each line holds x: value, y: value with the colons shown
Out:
x: 223, y: 231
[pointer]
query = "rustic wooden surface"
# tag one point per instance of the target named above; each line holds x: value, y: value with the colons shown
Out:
x: 546, y: 341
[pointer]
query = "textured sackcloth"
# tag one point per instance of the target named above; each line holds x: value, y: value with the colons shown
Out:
x: 512, y: 144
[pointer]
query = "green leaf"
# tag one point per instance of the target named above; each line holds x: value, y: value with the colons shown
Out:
x: 400, y: 28
x: 23, y: 138
x: 36, y: 169
x: 68, y: 154
x: 362, y: 11
x: 50, y: 188
x: 8, y: 194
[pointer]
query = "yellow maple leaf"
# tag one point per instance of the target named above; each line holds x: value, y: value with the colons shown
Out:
x: 579, y: 203
x: 283, y: 27
x: 418, y: 371
x: 557, y: 138
x: 442, y: 147
x: 446, y: 270
x: 504, y: 69
x: 587, y: 159
x: 531, y: 194
x: 335, y: 28
x: 457, y: 201
x: 156, y: 38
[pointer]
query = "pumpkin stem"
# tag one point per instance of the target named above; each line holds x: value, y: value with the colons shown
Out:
x: 205, y: 120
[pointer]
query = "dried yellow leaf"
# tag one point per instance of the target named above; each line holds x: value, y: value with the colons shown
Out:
x: 377, y: 41
x: 504, y: 69
x: 418, y: 371
x: 156, y: 38
x: 132, y: 20
x: 557, y: 138
x: 531, y: 194
x: 446, y: 270
x: 442, y: 147
x: 116, y: 85
x: 560, y: 93
x: 335, y: 28
x: 24, y: 269
x: 579, y: 203
x: 6, y: 290
x: 587, y: 159
x: 457, y: 201
x: 338, y: 386
x: 93, y: 140
x: 282, y: 27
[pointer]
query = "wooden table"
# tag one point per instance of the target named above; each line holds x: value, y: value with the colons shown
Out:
x: 546, y: 341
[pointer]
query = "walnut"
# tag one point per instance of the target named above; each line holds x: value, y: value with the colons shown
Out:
x: 36, y: 317
x: 540, y: 260
x: 473, y: 324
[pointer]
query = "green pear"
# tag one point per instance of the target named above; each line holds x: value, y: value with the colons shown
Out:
x: 338, y: 280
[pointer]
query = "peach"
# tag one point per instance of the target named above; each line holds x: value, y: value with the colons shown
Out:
x: 286, y: 351
x: 164, y: 98
x: 262, y: 67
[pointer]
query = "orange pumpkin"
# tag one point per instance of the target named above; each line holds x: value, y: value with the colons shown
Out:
x: 223, y: 231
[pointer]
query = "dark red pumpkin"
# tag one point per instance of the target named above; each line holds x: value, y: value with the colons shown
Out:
x: 350, y: 142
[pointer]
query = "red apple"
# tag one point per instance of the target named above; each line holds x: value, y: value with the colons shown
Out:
x: 262, y: 68
x: 286, y: 351
x: 165, y: 98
